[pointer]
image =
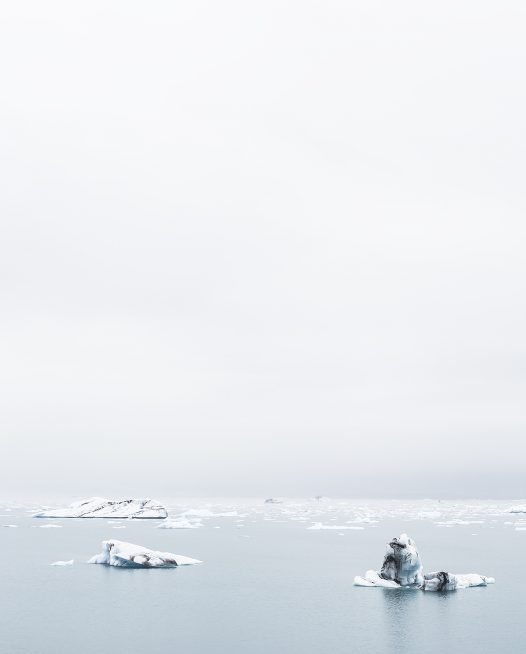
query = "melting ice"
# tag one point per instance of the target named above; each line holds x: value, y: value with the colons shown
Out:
x: 402, y: 567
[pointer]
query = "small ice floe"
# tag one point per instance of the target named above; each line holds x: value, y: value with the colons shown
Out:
x: 402, y: 568
x: 273, y: 500
x: 519, y: 508
x: 126, y: 555
x: 180, y: 523
x: 10, y: 526
x: 50, y: 526
x: 99, y: 507
x: 320, y: 525
x: 63, y: 562
x: 457, y: 521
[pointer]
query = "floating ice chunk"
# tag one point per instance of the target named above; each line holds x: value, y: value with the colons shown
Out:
x: 436, y: 581
x: 50, y: 526
x: 180, y: 523
x: 457, y: 521
x: 402, y: 568
x: 63, y: 562
x: 402, y: 562
x: 519, y: 508
x: 320, y: 525
x: 372, y: 578
x: 273, y: 500
x: 127, y: 555
x: 206, y: 513
x: 98, y: 507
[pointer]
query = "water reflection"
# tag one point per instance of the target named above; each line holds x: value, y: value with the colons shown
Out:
x: 406, y: 611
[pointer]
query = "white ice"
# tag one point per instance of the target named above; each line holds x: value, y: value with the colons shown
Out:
x: 99, y: 507
x: 402, y: 568
x: 63, y: 562
x: 447, y: 581
x: 50, y: 526
x: 372, y: 578
x: 127, y: 555
x: 181, y: 523
x: 320, y: 525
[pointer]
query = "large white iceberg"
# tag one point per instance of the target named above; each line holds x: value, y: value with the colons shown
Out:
x: 402, y: 568
x: 99, y: 507
x: 127, y: 555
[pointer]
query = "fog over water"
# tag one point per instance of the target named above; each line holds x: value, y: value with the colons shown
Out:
x: 262, y: 248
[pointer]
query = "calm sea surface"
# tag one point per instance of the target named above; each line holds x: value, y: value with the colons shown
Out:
x: 268, y: 584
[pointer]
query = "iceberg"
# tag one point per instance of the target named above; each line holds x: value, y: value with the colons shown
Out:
x: 402, y: 568
x: 448, y: 581
x: 127, y: 555
x: 99, y: 507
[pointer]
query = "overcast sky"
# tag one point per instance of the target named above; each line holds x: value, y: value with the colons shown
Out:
x: 263, y: 248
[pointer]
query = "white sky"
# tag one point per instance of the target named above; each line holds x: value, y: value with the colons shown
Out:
x: 263, y: 247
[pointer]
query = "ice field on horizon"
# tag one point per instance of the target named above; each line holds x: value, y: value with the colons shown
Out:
x: 310, y: 513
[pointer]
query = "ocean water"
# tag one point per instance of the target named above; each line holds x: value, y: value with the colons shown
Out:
x: 268, y: 583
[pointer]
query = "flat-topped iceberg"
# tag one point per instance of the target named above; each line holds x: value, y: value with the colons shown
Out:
x: 402, y: 567
x: 99, y: 507
x: 127, y: 555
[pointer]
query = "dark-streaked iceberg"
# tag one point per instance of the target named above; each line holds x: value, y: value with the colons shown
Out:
x: 402, y: 567
x: 127, y: 555
x: 99, y: 507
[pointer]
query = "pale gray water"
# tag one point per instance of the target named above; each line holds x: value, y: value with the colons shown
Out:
x: 283, y: 589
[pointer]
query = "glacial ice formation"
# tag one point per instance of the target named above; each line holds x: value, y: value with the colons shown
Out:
x: 98, y: 507
x: 127, y: 555
x: 402, y: 567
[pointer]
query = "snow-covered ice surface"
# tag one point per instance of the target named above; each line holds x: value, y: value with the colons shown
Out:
x: 402, y: 567
x: 127, y: 555
x: 99, y: 507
